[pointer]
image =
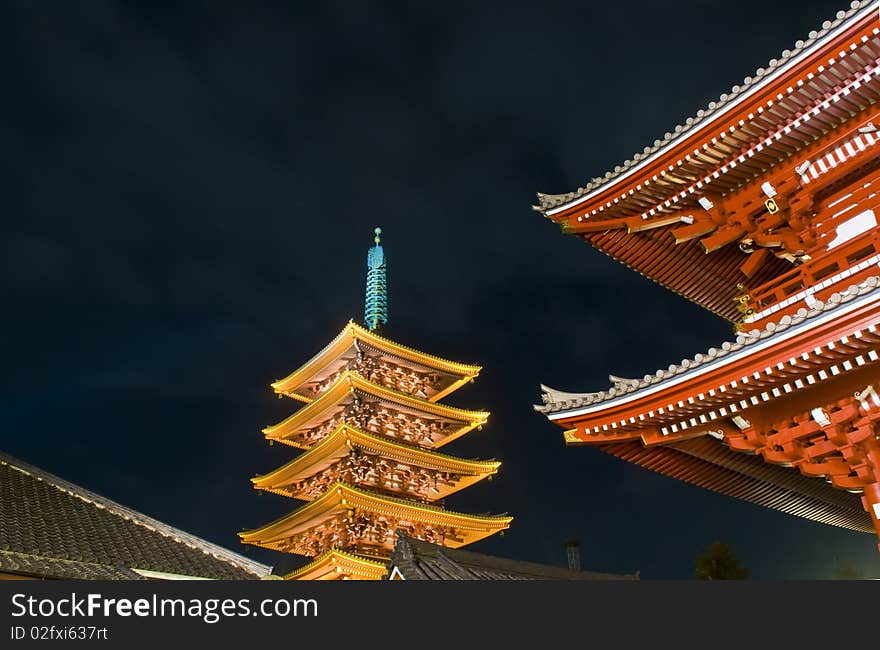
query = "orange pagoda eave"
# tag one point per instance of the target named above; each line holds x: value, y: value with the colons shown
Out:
x: 689, y: 211
x: 380, y: 360
x: 336, y: 564
x: 761, y: 394
x: 763, y: 208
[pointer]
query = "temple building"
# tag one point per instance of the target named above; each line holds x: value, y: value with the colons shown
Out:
x: 762, y: 208
x: 371, y: 425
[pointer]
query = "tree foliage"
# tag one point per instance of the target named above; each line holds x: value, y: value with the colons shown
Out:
x: 719, y: 562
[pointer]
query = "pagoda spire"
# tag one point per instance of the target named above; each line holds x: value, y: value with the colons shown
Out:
x: 376, y: 302
x: 370, y: 427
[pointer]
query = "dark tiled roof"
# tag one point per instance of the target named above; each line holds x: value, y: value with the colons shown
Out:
x: 57, y: 569
x: 418, y: 560
x: 50, y: 528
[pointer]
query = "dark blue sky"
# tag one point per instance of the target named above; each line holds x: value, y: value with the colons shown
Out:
x: 190, y: 193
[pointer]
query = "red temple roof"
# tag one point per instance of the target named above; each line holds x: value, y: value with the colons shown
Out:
x: 695, y: 190
x: 710, y: 464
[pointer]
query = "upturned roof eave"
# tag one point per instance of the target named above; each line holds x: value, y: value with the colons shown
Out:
x: 342, y: 495
x: 346, y: 436
x: 136, y: 518
x: 351, y: 381
x: 335, y: 558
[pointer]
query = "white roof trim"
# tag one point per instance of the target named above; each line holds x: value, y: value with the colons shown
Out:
x: 745, y: 351
x: 686, y: 133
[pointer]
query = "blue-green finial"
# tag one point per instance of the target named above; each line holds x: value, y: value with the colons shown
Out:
x: 376, y: 303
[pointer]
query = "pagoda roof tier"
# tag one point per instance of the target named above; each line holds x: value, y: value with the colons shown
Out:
x: 702, y: 188
x: 345, y: 438
x: 828, y: 340
x: 305, y: 383
x: 709, y: 463
x: 340, y: 499
x: 336, y: 564
x: 333, y: 402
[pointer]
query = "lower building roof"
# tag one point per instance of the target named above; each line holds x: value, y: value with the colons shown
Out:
x: 50, y: 528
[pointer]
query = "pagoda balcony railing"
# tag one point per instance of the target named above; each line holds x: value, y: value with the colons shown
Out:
x: 851, y: 263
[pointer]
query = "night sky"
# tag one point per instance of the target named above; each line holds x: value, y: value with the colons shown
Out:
x: 190, y: 192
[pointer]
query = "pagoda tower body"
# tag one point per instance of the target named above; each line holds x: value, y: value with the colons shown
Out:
x: 371, y: 427
x: 763, y: 208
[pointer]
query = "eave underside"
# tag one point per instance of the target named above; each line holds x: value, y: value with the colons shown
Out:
x: 709, y: 464
x: 707, y: 280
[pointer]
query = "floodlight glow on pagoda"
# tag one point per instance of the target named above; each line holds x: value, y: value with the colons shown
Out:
x: 370, y: 426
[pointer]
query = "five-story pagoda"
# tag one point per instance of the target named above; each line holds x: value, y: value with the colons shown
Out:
x: 371, y: 427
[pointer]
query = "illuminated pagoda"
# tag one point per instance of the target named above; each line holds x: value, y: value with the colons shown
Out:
x: 372, y: 425
x: 762, y: 209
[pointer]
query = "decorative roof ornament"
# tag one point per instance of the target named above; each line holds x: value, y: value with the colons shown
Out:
x: 376, y: 303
